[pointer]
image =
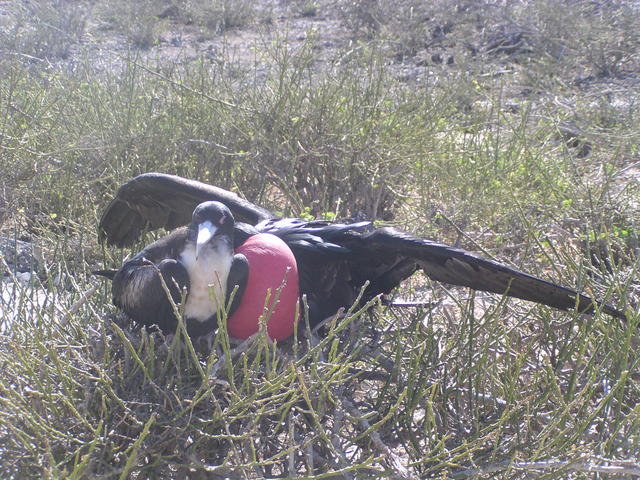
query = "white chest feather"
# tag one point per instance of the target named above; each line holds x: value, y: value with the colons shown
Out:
x: 208, y: 276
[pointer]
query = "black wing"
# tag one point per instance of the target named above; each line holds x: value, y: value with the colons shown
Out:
x: 138, y: 287
x: 457, y: 267
x: 156, y: 200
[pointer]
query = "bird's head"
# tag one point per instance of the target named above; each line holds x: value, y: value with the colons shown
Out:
x: 211, y: 221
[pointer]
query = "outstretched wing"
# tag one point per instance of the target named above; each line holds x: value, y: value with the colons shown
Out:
x: 457, y: 267
x: 156, y: 200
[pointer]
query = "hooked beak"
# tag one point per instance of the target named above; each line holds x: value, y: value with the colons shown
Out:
x: 206, y: 230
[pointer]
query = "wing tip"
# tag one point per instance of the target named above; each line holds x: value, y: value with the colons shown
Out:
x: 108, y: 273
x: 614, y: 312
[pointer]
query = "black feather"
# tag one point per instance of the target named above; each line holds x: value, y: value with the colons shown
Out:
x: 105, y: 273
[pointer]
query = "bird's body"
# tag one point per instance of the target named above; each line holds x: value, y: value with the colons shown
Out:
x: 197, y: 261
x: 202, y: 265
x: 335, y: 261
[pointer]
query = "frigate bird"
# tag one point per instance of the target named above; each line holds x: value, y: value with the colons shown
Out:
x: 335, y: 261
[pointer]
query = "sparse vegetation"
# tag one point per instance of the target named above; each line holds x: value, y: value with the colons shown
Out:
x: 507, y: 127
